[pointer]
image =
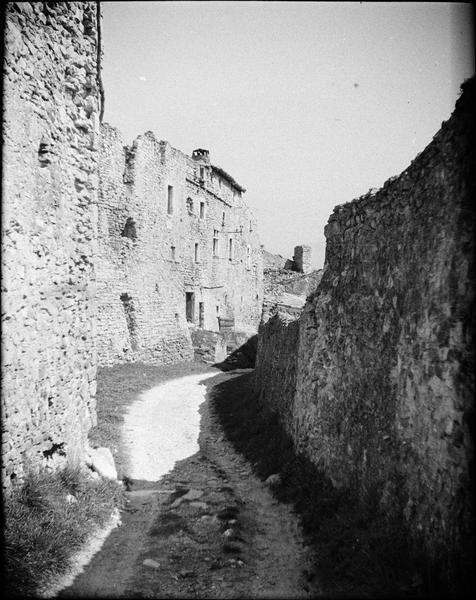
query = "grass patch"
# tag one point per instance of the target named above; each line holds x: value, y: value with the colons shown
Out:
x: 43, y: 529
x: 358, y: 551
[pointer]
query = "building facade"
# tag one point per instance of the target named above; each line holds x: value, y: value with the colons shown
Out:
x: 178, y: 250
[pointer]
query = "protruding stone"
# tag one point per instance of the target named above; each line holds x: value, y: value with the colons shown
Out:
x: 102, y: 461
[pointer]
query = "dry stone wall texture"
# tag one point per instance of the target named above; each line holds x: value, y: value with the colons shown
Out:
x: 49, y: 212
x: 178, y: 249
x: 385, y: 353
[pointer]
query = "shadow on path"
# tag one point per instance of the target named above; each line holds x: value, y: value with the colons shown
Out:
x: 354, y: 556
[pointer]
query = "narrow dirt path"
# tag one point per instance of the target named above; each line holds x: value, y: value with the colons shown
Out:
x: 209, y: 528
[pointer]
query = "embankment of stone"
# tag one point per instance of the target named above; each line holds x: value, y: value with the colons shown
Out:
x: 375, y: 380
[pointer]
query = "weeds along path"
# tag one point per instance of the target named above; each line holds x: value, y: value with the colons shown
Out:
x: 205, y: 527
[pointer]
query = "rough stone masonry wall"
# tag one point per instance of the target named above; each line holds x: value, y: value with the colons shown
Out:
x: 277, y: 360
x: 385, y: 360
x: 51, y: 108
x: 138, y: 289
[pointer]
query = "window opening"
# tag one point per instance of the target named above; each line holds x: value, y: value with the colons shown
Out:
x: 190, y: 307
x: 129, y: 230
x: 230, y: 249
x: 170, y: 199
x: 189, y: 203
x: 223, y: 219
x: 172, y: 252
x: 248, y: 257
x: 202, y: 210
x: 215, y: 242
x: 197, y: 253
x: 201, y: 172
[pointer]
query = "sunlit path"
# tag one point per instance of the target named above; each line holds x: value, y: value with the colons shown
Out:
x: 162, y: 426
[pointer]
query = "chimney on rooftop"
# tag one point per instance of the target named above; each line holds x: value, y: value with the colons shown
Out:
x: 201, y: 155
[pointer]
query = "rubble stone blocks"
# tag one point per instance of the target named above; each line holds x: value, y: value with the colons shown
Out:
x: 194, y: 259
x: 377, y: 384
x: 51, y: 107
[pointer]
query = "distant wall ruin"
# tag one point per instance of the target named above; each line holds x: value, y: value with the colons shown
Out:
x: 302, y: 259
x: 286, y: 285
x: 177, y: 241
x: 51, y: 124
x: 379, y: 378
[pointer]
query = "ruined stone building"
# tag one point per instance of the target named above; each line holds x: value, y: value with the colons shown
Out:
x: 49, y: 221
x: 287, y: 283
x: 178, y: 250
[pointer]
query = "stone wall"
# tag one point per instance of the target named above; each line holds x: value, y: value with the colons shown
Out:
x: 385, y: 361
x: 51, y: 108
x: 277, y: 360
x: 166, y: 222
x: 275, y: 261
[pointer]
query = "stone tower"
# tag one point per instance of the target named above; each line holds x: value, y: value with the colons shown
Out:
x: 302, y: 259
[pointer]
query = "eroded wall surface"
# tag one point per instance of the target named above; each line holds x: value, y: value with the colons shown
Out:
x: 385, y: 362
x: 51, y: 123
x: 172, y: 268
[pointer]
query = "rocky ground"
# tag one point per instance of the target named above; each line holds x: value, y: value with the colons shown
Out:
x: 210, y: 528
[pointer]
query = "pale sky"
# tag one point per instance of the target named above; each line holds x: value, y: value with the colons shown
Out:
x: 306, y: 104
